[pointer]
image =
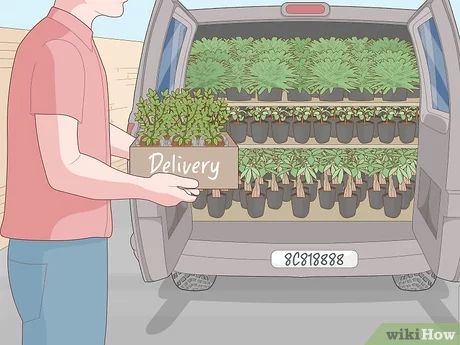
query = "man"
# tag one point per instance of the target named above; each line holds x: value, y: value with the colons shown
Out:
x: 59, y: 179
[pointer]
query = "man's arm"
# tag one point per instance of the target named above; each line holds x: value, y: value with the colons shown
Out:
x: 120, y: 142
x: 70, y: 171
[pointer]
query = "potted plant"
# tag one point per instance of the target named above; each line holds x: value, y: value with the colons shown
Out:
x: 331, y: 78
x: 275, y: 193
x: 363, y: 90
x: 300, y: 199
x: 201, y: 200
x: 299, y: 88
x: 237, y: 81
x: 322, y: 126
x: 280, y: 126
x: 302, y: 125
x: 405, y: 169
x: 394, y: 78
x: 260, y: 126
x: 309, y: 167
x: 206, y: 75
x: 359, y: 171
x: 216, y: 203
x: 269, y: 78
x: 344, y: 127
x: 374, y: 170
x: 407, y: 126
x: 327, y: 193
x: 255, y: 199
x: 242, y: 48
x: 365, y: 127
x: 238, y: 126
x: 215, y: 49
x: 386, y: 126
x: 392, y: 200
x: 285, y: 162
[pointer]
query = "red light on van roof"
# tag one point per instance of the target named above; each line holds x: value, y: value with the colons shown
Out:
x: 290, y: 9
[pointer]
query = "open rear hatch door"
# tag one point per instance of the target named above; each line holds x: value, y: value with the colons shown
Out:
x: 436, y: 221
x: 161, y: 233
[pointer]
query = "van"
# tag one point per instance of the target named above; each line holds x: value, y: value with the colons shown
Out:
x: 414, y: 248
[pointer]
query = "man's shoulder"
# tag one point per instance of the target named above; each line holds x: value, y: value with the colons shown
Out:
x: 47, y: 35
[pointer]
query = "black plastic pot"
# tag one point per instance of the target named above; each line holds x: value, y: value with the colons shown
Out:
x: 216, y: 206
x: 365, y: 131
x: 348, y: 206
x: 259, y: 131
x: 249, y: 121
x: 301, y: 131
x: 228, y: 199
x: 296, y: 96
x: 275, y: 199
x: 201, y: 199
x: 392, y: 206
x: 287, y: 190
x: 334, y: 96
x: 322, y: 131
x: 386, y: 131
x: 398, y: 96
x: 407, y: 197
x: 312, y: 190
x: 344, y: 131
x: 339, y: 188
x: 376, y: 122
x: 327, y: 199
x: 234, y: 95
x: 275, y: 95
x: 361, y: 191
x: 333, y: 121
x: 236, y: 193
x: 280, y: 131
x: 407, y: 131
x: 244, y: 198
x: 300, y: 206
x: 358, y: 96
x: 238, y: 131
x: 376, y: 198
x: 413, y: 94
x: 256, y: 206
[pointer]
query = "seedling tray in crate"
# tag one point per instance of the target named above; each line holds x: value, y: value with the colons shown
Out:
x: 215, y: 167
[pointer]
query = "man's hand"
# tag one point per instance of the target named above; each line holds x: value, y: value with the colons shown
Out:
x: 170, y: 190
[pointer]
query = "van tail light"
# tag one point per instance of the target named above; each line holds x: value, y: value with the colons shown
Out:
x: 305, y: 9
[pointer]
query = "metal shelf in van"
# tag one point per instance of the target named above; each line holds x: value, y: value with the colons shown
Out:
x: 332, y: 143
x: 364, y: 213
x: 315, y: 102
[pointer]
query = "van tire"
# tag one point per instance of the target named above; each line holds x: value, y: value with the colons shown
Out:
x: 415, y: 281
x: 193, y: 282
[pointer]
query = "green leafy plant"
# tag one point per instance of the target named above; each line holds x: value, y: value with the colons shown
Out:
x: 321, y: 114
x: 206, y: 74
x: 242, y: 48
x: 389, y: 75
x: 407, y: 114
x: 238, y: 69
x: 274, y: 44
x: 328, y: 74
x: 214, y: 49
x: 299, y: 48
x: 236, y: 114
x: 302, y: 114
x: 386, y: 113
x: 278, y: 114
x: 267, y: 75
x: 344, y: 114
x: 302, y: 76
x: 259, y: 114
x: 365, y: 113
x: 391, y: 44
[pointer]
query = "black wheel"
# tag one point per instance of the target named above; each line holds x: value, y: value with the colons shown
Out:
x: 415, y: 281
x: 193, y: 282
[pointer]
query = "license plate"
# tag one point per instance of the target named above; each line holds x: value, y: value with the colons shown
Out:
x: 314, y: 259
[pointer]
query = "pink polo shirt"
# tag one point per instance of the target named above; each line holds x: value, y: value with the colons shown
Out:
x: 57, y: 70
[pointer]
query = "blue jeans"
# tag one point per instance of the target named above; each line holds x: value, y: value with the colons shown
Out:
x: 60, y: 290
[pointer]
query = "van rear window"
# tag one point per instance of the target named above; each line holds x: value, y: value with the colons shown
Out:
x: 170, y: 56
x: 436, y: 65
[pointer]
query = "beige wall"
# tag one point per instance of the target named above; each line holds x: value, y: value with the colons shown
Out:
x: 121, y: 60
